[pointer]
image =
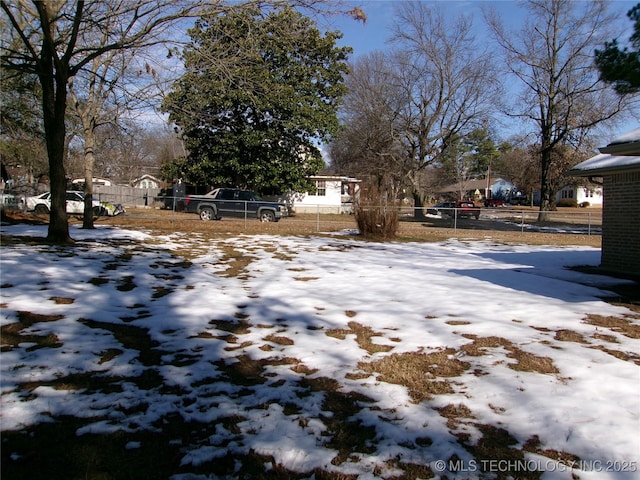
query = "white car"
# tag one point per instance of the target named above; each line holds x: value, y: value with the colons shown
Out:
x: 41, y: 204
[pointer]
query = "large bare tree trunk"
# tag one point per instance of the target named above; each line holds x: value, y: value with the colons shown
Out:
x: 546, y: 192
x: 418, y: 206
x: 89, y: 161
x: 54, y: 103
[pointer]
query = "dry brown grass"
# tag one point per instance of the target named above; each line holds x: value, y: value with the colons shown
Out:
x: 525, y: 361
x: 278, y: 339
x: 62, y: 300
x: 626, y: 356
x: 420, y: 372
x: 363, y: 336
x: 564, y: 335
x: 13, y: 335
x: 235, y: 261
x: 616, y: 324
x: 345, y: 434
x: 534, y: 445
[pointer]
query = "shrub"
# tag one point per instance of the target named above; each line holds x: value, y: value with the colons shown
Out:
x: 585, y: 205
x: 376, y: 216
x: 568, y: 202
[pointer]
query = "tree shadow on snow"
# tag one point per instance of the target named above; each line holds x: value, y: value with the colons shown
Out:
x: 563, y: 274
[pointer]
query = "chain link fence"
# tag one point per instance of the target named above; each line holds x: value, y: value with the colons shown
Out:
x: 122, y: 195
x: 321, y: 218
x: 151, y: 204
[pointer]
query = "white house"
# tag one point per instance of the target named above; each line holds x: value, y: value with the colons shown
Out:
x: 146, y: 181
x: 591, y: 195
x: 333, y: 194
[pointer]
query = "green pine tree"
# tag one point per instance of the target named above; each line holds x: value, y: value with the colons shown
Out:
x: 621, y: 67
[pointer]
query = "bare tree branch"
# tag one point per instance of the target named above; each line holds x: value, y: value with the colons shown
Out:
x: 552, y: 57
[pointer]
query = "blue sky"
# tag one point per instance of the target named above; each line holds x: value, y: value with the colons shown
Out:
x: 374, y: 34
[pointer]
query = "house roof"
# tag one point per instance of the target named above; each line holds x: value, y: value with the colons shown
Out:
x: 472, y: 185
x: 604, y: 164
x: 621, y: 155
x: 94, y: 180
x: 146, y: 176
x: 627, y: 144
x: 335, y: 177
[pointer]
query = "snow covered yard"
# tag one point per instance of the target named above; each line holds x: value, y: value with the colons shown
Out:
x: 133, y: 355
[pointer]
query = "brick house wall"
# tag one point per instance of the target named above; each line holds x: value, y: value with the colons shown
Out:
x: 621, y: 223
x: 618, y: 164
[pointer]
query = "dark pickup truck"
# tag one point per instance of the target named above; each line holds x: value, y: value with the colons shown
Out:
x: 172, y: 198
x: 230, y: 202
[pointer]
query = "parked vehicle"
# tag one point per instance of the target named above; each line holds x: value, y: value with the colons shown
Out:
x: 165, y: 197
x: 518, y: 199
x: 442, y: 208
x: 41, y: 204
x: 10, y: 201
x: 466, y: 208
x: 230, y: 202
x: 173, y: 198
x: 494, y: 202
x: 463, y: 208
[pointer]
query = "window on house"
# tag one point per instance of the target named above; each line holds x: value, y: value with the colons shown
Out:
x: 321, y: 188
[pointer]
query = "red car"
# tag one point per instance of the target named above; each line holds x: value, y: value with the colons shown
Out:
x: 494, y: 202
x: 466, y: 208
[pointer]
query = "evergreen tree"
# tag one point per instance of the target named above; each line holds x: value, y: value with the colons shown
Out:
x: 622, y: 67
x: 259, y: 93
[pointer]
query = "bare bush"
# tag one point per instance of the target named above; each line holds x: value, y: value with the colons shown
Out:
x: 377, y: 215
